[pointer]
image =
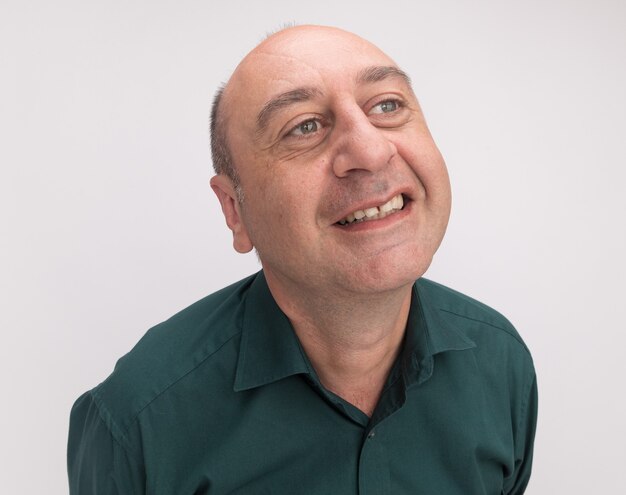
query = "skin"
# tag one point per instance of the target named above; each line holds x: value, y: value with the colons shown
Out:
x: 352, y: 144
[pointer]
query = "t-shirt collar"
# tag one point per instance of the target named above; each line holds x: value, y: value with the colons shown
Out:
x: 427, y: 335
x: 270, y: 350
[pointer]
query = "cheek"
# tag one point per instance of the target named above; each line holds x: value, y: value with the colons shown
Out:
x: 287, y: 205
x: 424, y: 158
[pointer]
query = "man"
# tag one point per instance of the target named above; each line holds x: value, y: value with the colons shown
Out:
x: 332, y: 371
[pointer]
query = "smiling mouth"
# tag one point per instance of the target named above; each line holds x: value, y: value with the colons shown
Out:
x: 394, y: 205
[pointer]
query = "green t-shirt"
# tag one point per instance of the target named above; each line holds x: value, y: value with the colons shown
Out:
x: 222, y: 399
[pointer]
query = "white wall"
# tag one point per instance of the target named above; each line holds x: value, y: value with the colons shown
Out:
x: 108, y: 225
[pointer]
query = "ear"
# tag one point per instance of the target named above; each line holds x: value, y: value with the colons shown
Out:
x: 224, y: 189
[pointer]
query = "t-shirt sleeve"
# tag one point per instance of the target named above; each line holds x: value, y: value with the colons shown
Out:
x: 97, y: 463
x: 524, y: 442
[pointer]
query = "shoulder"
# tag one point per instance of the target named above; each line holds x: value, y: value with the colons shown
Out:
x: 476, y: 320
x: 201, y: 335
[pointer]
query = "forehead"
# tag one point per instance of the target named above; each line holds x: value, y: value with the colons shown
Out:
x: 326, y: 50
x: 324, y: 58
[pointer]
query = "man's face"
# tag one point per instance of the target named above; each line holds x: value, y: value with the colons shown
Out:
x: 323, y: 128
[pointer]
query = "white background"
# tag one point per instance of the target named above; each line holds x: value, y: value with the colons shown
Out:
x: 108, y: 225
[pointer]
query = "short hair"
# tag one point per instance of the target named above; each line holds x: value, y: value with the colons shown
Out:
x: 220, y: 152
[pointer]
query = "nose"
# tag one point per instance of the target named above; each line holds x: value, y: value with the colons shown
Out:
x: 360, y: 145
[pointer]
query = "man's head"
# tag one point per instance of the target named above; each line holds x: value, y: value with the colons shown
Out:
x: 317, y: 126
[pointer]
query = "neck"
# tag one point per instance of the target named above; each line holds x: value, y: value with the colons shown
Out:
x: 352, y: 341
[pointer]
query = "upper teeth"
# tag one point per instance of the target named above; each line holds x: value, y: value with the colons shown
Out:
x: 394, y: 204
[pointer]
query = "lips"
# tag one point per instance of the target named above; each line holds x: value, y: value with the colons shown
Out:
x: 375, y: 212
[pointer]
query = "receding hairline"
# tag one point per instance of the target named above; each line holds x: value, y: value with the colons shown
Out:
x: 369, y: 74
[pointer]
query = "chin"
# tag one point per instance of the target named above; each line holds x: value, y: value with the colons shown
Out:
x: 389, y: 274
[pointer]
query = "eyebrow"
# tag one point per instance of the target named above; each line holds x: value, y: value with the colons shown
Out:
x: 372, y: 74
x: 377, y: 73
x: 283, y: 100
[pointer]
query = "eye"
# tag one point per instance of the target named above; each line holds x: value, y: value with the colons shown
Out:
x: 303, y: 128
x: 386, y: 106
